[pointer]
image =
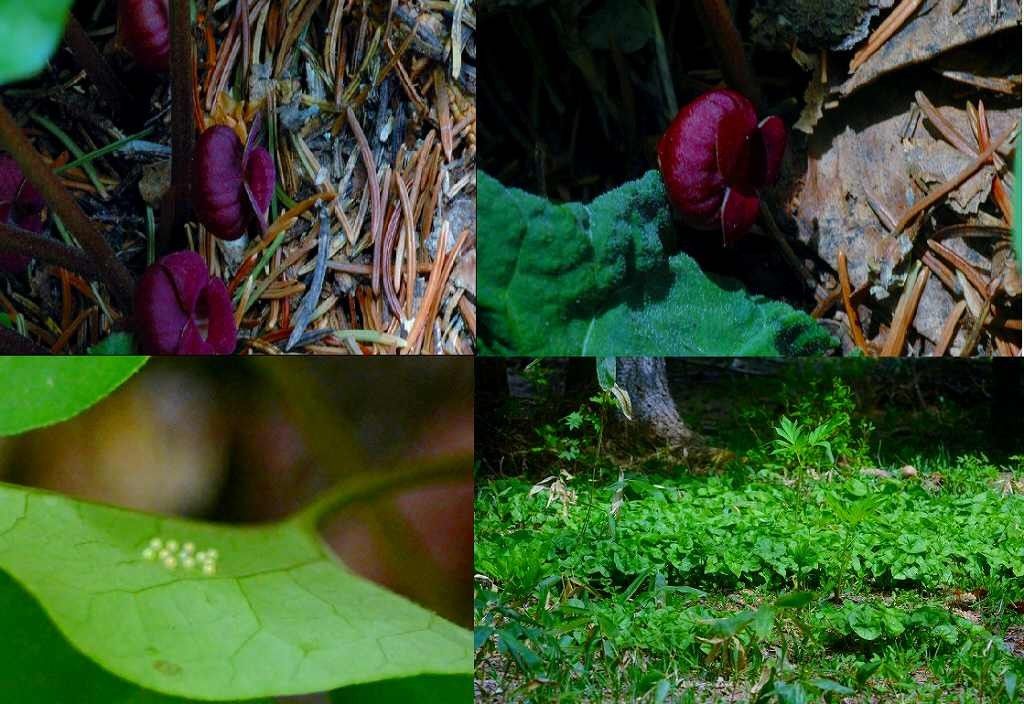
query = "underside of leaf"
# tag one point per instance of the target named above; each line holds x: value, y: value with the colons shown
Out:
x: 280, y: 616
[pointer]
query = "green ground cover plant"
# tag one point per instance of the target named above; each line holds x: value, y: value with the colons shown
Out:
x: 804, y: 570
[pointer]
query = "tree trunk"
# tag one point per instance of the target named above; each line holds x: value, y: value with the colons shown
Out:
x: 654, y: 410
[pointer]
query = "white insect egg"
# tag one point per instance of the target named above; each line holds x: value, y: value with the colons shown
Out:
x: 156, y: 543
x: 188, y: 548
x: 188, y: 563
x: 212, y: 553
x: 201, y: 556
x: 170, y: 562
x: 149, y: 554
x: 209, y: 569
x: 172, y: 545
x: 164, y: 554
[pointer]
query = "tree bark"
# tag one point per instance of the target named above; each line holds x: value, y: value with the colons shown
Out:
x: 654, y: 410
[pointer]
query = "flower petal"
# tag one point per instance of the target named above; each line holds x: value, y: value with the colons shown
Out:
x: 188, y: 274
x: 733, y: 146
x: 217, y: 191
x: 13, y: 263
x: 192, y: 341
x: 159, y: 318
x: 774, y: 138
x: 221, y: 332
x: 259, y: 183
x: 739, y: 212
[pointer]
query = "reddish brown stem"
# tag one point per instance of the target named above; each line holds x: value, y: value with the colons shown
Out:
x: 13, y: 343
x: 727, y: 45
x: 64, y: 205
x: 98, y: 69
x: 29, y: 244
x: 183, y: 125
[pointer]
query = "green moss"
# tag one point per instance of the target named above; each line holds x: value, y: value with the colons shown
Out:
x: 813, y: 23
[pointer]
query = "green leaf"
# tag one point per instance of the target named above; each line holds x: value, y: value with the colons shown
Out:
x: 280, y: 615
x: 118, y: 343
x: 864, y: 624
x: 606, y: 372
x: 831, y: 686
x: 38, y: 665
x: 427, y: 689
x: 595, y: 279
x: 29, y: 34
x: 5, y: 321
x: 794, y: 600
x: 41, y: 391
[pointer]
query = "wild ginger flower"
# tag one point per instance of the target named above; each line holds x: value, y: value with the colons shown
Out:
x: 144, y: 28
x: 181, y: 309
x: 716, y: 157
x: 20, y: 205
x: 232, y: 185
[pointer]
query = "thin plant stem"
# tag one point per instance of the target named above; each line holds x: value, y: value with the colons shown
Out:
x: 64, y: 205
x: 183, y: 125
x: 727, y: 45
x: 671, y: 103
x: 103, y: 151
x: 98, y: 69
x: 30, y: 244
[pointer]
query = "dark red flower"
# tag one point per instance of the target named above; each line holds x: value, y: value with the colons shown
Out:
x: 232, y: 185
x: 181, y: 309
x: 144, y: 27
x: 21, y: 205
x: 715, y: 157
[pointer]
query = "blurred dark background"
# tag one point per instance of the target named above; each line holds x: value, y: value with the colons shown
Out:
x: 256, y: 439
x: 575, y: 94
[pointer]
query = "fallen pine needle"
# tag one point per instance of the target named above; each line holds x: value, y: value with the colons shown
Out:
x: 851, y: 312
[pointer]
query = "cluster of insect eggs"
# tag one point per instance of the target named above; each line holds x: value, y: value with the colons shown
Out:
x: 171, y: 555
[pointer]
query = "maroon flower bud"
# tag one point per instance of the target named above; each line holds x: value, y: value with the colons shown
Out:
x: 21, y: 205
x: 145, y: 30
x: 181, y: 309
x: 715, y: 157
x: 232, y: 185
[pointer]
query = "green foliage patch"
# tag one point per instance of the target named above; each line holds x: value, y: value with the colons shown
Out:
x: 792, y: 589
x: 595, y: 279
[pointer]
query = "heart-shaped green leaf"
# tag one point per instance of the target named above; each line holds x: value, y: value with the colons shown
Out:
x: 278, y: 615
x: 595, y: 279
x: 41, y: 391
x: 29, y: 33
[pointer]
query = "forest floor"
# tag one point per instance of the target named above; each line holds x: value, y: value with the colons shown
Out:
x: 791, y: 574
x: 336, y: 87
